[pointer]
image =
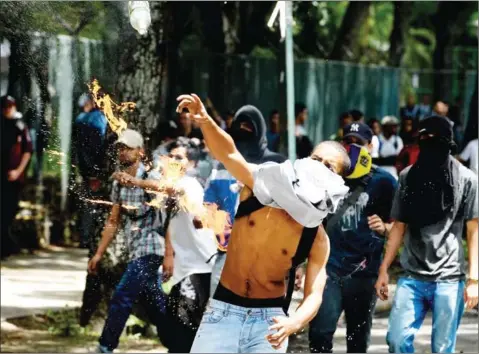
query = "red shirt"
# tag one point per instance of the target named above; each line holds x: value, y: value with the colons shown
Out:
x: 16, y: 141
x: 407, y: 157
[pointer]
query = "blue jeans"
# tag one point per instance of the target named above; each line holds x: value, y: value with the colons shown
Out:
x: 357, y: 297
x: 139, y: 279
x: 412, y: 301
x: 228, y: 328
x: 219, y: 260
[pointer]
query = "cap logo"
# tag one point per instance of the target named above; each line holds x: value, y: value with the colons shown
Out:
x: 355, y: 128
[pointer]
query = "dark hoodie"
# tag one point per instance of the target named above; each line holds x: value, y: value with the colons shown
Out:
x: 252, y: 145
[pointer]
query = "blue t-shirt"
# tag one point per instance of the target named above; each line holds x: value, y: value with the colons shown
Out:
x: 356, y: 250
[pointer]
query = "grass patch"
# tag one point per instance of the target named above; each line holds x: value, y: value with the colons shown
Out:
x: 59, y: 332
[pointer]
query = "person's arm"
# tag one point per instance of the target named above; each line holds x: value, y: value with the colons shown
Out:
x: 393, y: 244
x: 27, y: 148
x: 150, y: 184
x: 465, y: 155
x: 472, y: 286
x: 313, y: 293
x: 315, y: 280
x: 168, y: 261
x: 107, y: 235
x: 220, y: 144
x: 378, y: 225
x: 472, y: 245
x: 24, y: 162
x: 471, y: 214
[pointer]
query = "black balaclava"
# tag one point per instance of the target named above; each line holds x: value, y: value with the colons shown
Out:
x: 429, y: 193
x: 252, y: 145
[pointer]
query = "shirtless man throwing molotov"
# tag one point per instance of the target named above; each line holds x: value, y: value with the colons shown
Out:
x: 282, y: 205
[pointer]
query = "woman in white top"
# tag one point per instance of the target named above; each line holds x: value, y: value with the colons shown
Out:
x: 390, y: 144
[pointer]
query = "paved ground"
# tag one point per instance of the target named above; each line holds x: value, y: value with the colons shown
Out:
x: 54, y: 279
x: 47, y: 280
x: 467, y: 341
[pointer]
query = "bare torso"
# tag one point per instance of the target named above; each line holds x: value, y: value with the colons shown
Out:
x: 260, y: 252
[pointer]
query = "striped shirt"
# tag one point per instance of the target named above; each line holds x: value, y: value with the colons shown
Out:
x: 139, y: 220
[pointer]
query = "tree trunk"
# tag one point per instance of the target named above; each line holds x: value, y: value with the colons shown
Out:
x: 20, y: 70
x: 211, y: 14
x: 252, y: 25
x: 176, y: 30
x: 471, y: 129
x: 449, y: 23
x: 402, y: 18
x: 347, y: 40
x: 141, y: 74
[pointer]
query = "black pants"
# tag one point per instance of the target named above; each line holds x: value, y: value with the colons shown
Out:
x: 357, y: 297
x: 184, y: 314
x: 99, y: 288
x: 10, y: 198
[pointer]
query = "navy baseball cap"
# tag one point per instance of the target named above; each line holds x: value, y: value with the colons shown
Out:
x: 358, y: 130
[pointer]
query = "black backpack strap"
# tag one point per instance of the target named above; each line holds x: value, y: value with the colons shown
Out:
x: 248, y: 206
x: 302, y: 252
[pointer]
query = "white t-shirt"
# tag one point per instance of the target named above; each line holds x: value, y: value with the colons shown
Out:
x: 300, y: 130
x: 470, y: 154
x: 375, y: 147
x: 390, y: 147
x: 193, y: 247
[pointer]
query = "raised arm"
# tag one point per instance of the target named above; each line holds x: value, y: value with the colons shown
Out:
x: 219, y: 143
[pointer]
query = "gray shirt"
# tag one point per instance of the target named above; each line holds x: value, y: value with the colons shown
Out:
x: 436, y: 253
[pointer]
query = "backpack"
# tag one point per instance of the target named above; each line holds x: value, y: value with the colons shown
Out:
x: 308, y: 235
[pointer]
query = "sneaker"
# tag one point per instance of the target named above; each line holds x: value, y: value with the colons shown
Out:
x: 102, y: 349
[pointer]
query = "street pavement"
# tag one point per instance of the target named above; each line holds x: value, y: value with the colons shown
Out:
x: 48, y: 280
x: 53, y: 279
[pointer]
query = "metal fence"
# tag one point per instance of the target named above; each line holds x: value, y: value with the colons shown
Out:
x: 457, y: 84
x: 326, y: 88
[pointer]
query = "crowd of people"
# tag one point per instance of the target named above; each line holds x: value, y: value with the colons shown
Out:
x: 320, y: 224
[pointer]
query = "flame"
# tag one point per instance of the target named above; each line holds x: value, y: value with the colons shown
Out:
x: 172, y: 170
x: 216, y: 219
x: 105, y: 202
x: 110, y: 108
x: 209, y: 214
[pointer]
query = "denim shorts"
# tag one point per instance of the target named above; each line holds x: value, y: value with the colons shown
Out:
x: 227, y: 328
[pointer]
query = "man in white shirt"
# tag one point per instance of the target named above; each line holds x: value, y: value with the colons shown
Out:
x: 189, y: 247
x: 390, y: 145
x: 470, y: 155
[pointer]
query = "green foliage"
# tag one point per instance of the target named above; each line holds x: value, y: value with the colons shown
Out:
x: 263, y: 53
x: 420, y: 44
x: 375, y: 34
x: 64, y: 323
x: 91, y: 19
x: 316, y: 25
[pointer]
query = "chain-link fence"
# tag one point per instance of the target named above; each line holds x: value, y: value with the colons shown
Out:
x: 456, y: 87
x: 327, y: 88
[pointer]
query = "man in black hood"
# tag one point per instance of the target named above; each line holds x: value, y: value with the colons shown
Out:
x: 248, y: 131
x: 436, y: 197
